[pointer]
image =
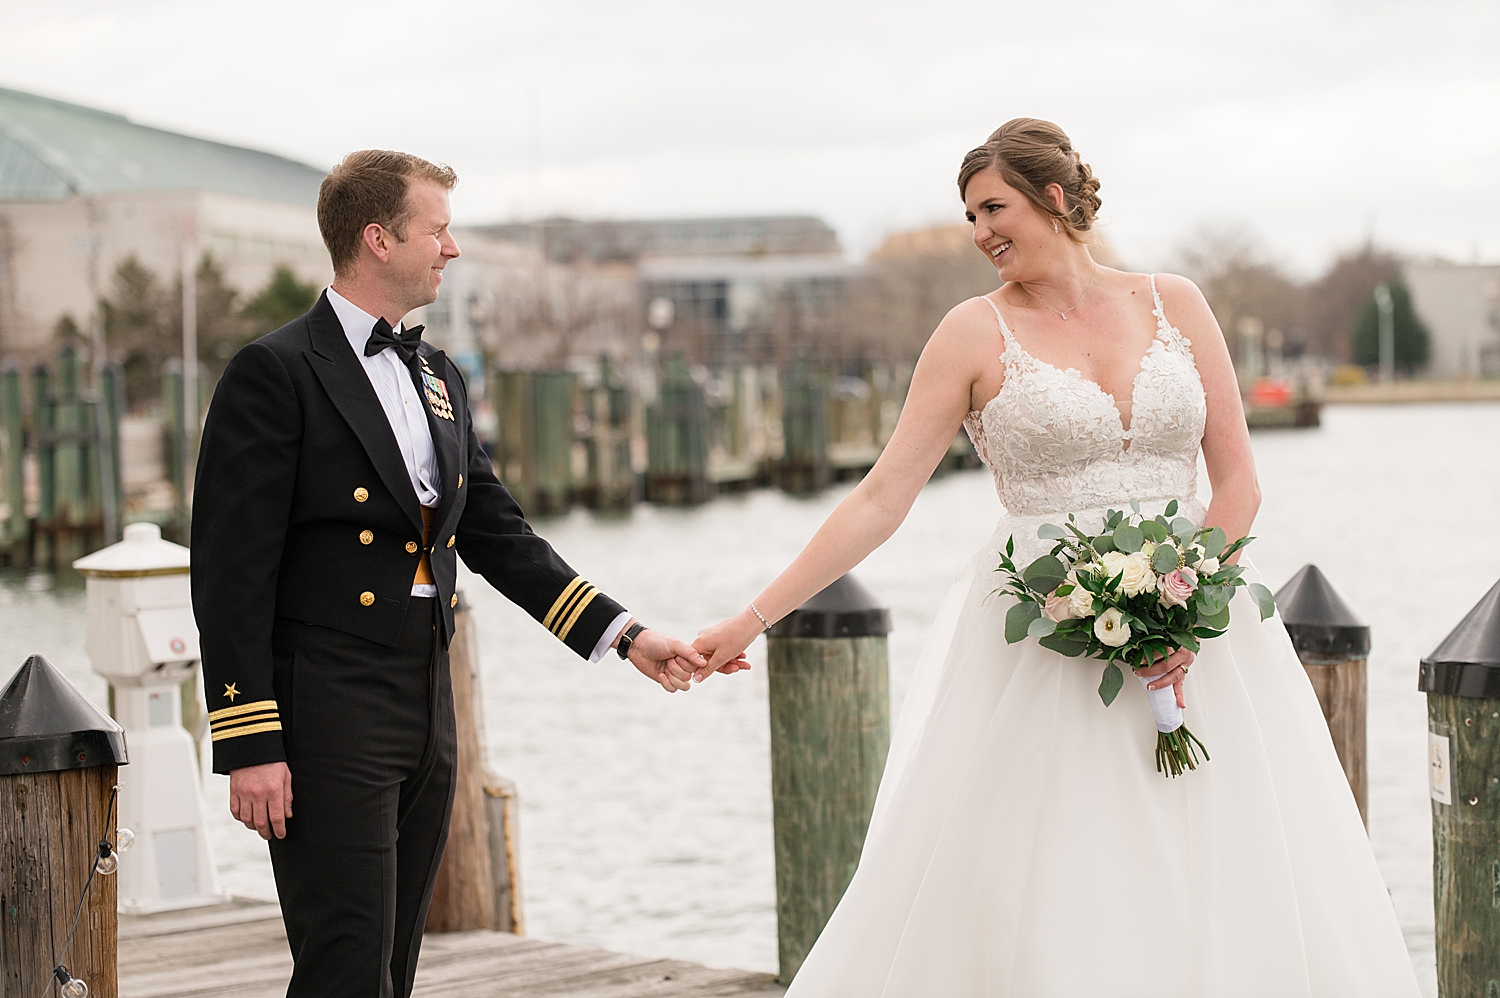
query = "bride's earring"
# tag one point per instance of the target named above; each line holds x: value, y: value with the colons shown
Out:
x: 1055, y: 229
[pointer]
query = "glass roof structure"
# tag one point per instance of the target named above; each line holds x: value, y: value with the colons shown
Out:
x: 51, y: 150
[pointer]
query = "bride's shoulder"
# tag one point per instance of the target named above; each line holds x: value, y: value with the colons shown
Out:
x: 970, y: 323
x: 1184, y: 306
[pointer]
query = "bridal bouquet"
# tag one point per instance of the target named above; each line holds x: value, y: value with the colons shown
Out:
x: 1131, y: 594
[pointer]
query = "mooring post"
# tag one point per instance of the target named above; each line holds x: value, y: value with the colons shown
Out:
x: 677, y: 440
x: 17, y: 526
x: 829, y: 679
x: 1461, y: 678
x: 804, y: 426
x: 476, y: 881
x: 58, y: 832
x: 1334, y: 647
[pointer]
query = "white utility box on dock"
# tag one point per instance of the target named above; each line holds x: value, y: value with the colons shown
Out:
x: 143, y: 639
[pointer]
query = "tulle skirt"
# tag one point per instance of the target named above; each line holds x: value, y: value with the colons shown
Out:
x: 1023, y: 843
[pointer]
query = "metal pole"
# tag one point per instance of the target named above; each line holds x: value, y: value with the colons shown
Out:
x: 189, y: 352
x: 1387, y: 333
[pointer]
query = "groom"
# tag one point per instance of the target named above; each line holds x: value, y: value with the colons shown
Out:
x: 338, y: 480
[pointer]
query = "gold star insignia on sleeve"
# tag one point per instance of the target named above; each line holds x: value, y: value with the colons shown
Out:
x: 231, y: 690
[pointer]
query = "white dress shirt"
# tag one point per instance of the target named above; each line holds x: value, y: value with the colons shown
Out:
x: 407, y: 415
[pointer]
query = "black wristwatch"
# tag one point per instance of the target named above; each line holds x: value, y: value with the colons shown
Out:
x: 628, y: 638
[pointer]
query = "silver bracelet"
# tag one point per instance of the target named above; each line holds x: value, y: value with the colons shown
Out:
x: 760, y: 615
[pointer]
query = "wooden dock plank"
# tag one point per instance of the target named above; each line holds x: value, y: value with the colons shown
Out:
x: 239, y: 950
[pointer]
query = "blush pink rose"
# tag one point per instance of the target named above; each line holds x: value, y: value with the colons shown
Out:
x: 1176, y: 588
x: 1057, y: 608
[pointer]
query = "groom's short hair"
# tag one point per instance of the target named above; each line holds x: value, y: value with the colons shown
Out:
x: 370, y: 186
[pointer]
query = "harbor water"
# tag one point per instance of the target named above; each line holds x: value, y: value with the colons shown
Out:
x: 646, y: 818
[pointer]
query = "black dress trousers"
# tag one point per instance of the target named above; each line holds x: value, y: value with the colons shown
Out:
x: 370, y: 742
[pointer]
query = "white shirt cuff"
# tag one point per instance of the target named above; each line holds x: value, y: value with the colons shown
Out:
x: 608, y: 637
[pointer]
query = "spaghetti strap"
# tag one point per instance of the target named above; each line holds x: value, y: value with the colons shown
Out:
x: 1010, y: 341
x: 1159, y: 311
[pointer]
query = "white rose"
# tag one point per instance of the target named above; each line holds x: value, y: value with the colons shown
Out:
x: 1111, y: 628
x: 1113, y: 563
x: 1148, y: 548
x: 1136, y: 575
x: 1208, y: 566
x: 1080, y: 600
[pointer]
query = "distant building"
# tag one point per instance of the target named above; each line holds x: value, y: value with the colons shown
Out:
x: 756, y: 289
x: 1461, y: 307
x: 82, y: 189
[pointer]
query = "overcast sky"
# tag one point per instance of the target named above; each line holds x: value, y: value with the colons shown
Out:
x: 1312, y: 123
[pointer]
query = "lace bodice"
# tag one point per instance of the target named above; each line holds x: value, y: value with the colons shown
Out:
x: 1055, y: 441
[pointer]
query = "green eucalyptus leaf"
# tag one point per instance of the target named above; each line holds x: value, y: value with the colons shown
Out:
x: 1228, y: 573
x: 1051, y: 532
x: 1213, y: 544
x: 1218, y: 621
x: 1155, y: 531
x: 1263, y: 599
x: 1135, y: 504
x: 1164, y: 559
x: 1018, y: 619
x: 1171, y: 508
x: 1041, y: 627
x: 1110, y: 683
x: 1103, y: 544
x: 1065, y: 644
x: 1185, y: 639
x: 1128, y: 539
x: 1045, y: 574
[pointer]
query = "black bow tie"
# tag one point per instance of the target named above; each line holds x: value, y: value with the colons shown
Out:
x: 405, y: 344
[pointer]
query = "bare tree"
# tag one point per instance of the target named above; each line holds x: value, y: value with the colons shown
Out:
x: 547, y: 313
x: 1240, y: 283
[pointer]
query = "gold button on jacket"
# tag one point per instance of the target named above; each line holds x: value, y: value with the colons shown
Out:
x: 411, y: 547
x: 454, y: 600
x: 460, y: 481
x: 451, y: 540
x: 367, y: 598
x: 366, y: 536
x: 361, y: 494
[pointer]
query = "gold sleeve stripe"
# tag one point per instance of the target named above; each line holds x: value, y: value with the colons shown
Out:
x: 577, y: 612
x: 234, y: 722
x: 567, y: 594
x: 253, y: 729
x: 557, y: 625
x: 244, y: 708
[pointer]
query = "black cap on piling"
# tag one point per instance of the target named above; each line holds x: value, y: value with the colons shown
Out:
x: 46, y: 725
x: 1323, y: 628
x: 1467, y: 662
x: 845, y: 609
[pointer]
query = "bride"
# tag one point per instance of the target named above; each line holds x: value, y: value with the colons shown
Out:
x: 1023, y: 843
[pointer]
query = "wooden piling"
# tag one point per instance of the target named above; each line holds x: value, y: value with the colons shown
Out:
x: 534, y: 445
x: 1461, y: 678
x: 1333, y: 645
x: 16, y: 525
x: 804, y: 418
x: 677, y: 440
x: 610, y: 481
x: 477, y: 881
x: 58, y: 759
x: 829, y: 682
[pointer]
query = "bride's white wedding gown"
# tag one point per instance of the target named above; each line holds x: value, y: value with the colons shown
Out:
x: 1023, y: 843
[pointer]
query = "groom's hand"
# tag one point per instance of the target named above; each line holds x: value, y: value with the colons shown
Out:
x: 664, y: 659
x: 261, y: 798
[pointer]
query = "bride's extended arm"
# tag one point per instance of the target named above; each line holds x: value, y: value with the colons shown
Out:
x: 938, y: 400
x: 1226, y: 441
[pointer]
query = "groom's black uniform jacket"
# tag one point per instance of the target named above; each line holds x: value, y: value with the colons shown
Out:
x: 303, y: 509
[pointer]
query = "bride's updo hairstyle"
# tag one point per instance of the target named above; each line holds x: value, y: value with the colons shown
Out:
x: 1031, y: 154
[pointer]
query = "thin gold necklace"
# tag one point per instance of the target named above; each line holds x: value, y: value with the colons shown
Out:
x: 1064, y: 312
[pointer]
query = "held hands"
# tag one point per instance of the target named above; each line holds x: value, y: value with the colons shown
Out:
x: 261, y: 798
x: 723, y: 645
x: 670, y: 662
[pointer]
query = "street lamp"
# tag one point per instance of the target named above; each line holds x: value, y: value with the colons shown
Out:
x: 1387, y: 333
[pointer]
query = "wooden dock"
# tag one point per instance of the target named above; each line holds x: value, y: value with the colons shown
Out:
x: 239, y: 950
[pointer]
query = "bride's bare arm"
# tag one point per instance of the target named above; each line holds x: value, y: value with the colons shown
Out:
x: 1226, y: 441
x: 940, y: 395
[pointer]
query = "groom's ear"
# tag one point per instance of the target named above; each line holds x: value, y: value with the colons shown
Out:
x: 377, y: 239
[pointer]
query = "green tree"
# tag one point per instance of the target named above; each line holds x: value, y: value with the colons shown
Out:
x: 138, y: 329
x: 279, y: 302
x: 1413, y: 342
x: 221, y: 327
